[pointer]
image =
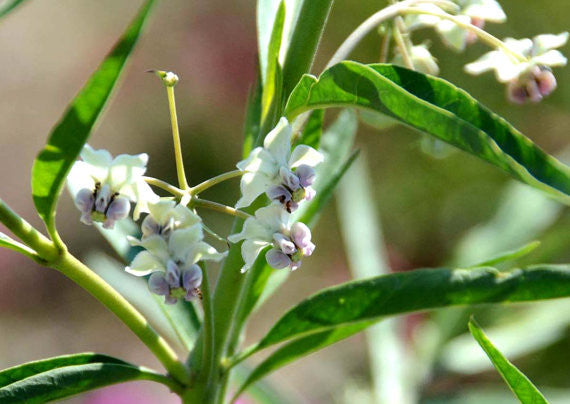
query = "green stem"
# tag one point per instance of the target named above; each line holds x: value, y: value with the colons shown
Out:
x: 182, y: 182
x: 75, y: 270
x: 218, y: 207
x: 481, y: 34
x: 165, y: 186
x: 208, y: 351
x: 45, y: 248
x: 399, y: 27
x: 214, y: 181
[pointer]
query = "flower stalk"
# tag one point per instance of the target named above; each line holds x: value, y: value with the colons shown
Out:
x: 182, y: 182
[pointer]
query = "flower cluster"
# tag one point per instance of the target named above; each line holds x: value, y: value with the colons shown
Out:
x: 286, y: 178
x: 104, y: 187
x: 528, y: 80
x: 173, y: 243
x: 270, y: 227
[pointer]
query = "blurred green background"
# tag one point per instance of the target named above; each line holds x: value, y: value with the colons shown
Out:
x: 427, y: 205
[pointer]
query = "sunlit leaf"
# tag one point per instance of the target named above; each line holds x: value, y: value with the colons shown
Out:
x: 433, y: 106
x: 7, y: 6
x: 70, y: 134
x: 521, y: 386
x: 313, y: 130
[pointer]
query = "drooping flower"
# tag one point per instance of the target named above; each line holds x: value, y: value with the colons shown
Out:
x: 172, y: 263
x: 529, y: 80
x: 475, y: 12
x: 103, y: 186
x: 273, y: 169
x: 166, y: 216
x: 270, y: 227
x: 421, y: 58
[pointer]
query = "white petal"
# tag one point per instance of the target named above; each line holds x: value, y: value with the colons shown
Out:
x: 182, y: 239
x: 126, y: 169
x: 483, y: 64
x: 453, y: 35
x: 252, y: 185
x: 416, y: 21
x: 79, y: 177
x: 143, y: 196
x: 304, y: 154
x: 545, y: 42
x: 184, y: 217
x: 250, y: 249
x: 273, y: 217
x: 259, y: 160
x: 203, y: 251
x: 160, y: 210
x: 278, y: 141
x: 144, y: 263
x: 155, y: 244
x: 252, y: 229
x: 551, y: 58
x: 99, y: 158
x: 523, y: 46
x: 488, y: 10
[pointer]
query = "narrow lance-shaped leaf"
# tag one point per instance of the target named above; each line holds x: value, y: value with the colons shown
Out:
x: 434, y: 106
x: 70, y: 134
x: 520, y: 385
x: 8, y: 242
x: 417, y: 290
x: 313, y: 130
x: 63, y: 376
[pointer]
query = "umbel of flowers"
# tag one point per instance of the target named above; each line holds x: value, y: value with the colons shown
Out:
x: 172, y: 234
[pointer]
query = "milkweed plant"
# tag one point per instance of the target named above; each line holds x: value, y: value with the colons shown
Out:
x: 286, y: 177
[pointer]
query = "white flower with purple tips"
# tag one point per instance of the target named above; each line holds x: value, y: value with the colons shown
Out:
x: 173, y: 261
x: 532, y: 79
x: 270, y: 227
x: 273, y: 169
x: 165, y: 216
x: 103, y: 187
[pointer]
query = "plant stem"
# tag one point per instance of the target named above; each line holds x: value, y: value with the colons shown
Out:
x: 368, y: 25
x: 45, y: 248
x: 481, y: 34
x: 164, y: 185
x: 202, y: 203
x: 385, y: 46
x: 208, y: 351
x: 399, y: 27
x: 215, y: 180
x: 75, y: 270
x: 182, y: 182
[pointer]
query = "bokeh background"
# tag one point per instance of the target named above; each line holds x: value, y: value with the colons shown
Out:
x: 429, y: 206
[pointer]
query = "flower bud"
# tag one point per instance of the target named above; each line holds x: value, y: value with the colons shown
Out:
x: 277, y: 259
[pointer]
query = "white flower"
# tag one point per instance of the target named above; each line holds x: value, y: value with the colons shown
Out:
x: 166, y: 216
x: 103, y: 187
x: 421, y: 58
x: 528, y: 80
x: 475, y: 12
x: 270, y: 227
x: 184, y: 247
x: 284, y: 176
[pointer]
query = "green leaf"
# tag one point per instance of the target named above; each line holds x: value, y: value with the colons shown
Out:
x: 252, y: 123
x: 313, y: 130
x: 422, y: 289
x: 63, y: 376
x: 308, y: 26
x: 70, y: 134
x: 436, y: 107
x: 510, y: 255
x: 10, y: 243
x: 8, y: 5
x: 300, y: 347
x: 521, y: 386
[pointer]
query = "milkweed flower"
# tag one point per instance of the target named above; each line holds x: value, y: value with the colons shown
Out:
x: 270, y: 227
x: 165, y: 216
x: 475, y: 12
x: 103, y: 187
x: 273, y: 169
x: 421, y: 58
x: 528, y: 80
x: 172, y: 262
